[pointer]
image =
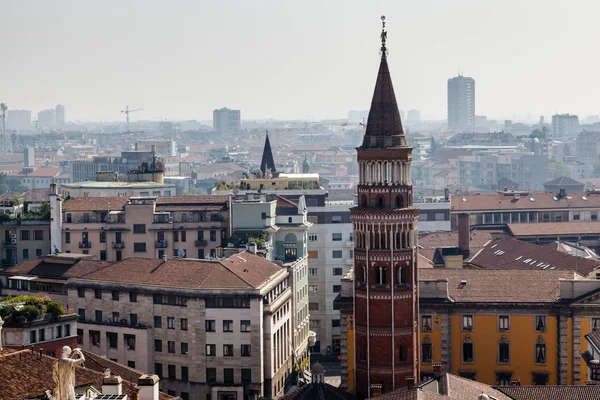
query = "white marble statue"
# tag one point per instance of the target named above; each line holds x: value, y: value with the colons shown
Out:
x: 63, y: 372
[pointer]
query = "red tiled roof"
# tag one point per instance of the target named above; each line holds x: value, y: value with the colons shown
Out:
x: 591, y: 392
x: 38, y: 172
x: 432, y: 241
x: 282, y: 202
x: 506, y: 201
x: 513, y: 254
x: 496, y: 286
x: 240, y: 271
x: 555, y: 228
x: 37, y: 195
x: 57, y: 267
x: 95, y: 204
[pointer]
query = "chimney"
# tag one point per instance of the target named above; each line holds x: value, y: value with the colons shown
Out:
x: 410, y: 382
x: 562, y: 192
x: 515, y: 382
x: 165, y: 258
x: 376, y: 390
x: 447, y: 194
x: 464, y: 234
x: 148, y: 385
x: 112, y: 384
x: 251, y: 248
x: 437, y: 370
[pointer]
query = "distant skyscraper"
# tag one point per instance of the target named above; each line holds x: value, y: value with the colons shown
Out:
x: 226, y: 120
x: 47, y: 118
x: 29, y: 157
x: 565, y: 126
x: 18, y: 119
x: 413, y: 116
x: 60, y: 115
x: 461, y: 103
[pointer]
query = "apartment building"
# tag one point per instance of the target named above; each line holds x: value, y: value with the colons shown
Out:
x: 514, y: 207
x: 217, y: 329
x: 116, y: 228
x: 112, y: 188
x: 23, y: 240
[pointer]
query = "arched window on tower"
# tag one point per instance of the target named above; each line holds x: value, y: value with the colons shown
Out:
x: 399, y: 279
x: 380, y: 202
x: 399, y: 201
x: 400, y: 353
x: 381, y: 277
x: 363, y: 350
x: 363, y: 201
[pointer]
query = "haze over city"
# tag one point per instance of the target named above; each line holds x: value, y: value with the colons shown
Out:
x: 296, y: 60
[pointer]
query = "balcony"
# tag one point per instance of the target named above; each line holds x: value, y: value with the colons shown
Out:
x: 201, y: 243
x: 118, y: 245
x: 85, y: 245
x: 10, y: 242
x: 161, y: 244
x: 350, y: 243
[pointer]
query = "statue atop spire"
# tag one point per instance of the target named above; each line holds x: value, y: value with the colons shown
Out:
x: 383, y: 38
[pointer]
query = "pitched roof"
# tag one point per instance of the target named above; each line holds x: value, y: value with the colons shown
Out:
x: 432, y: 241
x: 496, y: 286
x: 37, y: 195
x: 94, y: 204
x: 563, y: 180
x: 507, y: 201
x: 318, y: 391
x: 514, y: 254
x: 58, y: 267
x: 267, y: 161
x: 591, y: 392
x: 38, y: 172
x: 594, y: 338
x: 562, y: 229
x: 384, y: 127
x: 240, y: 271
x: 100, y: 364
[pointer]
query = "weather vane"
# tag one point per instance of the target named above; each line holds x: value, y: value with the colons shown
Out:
x: 383, y: 37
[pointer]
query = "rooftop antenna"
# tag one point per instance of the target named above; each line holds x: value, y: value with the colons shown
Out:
x: 383, y: 38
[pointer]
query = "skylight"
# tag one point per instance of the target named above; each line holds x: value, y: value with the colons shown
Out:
x: 583, y: 198
x: 531, y: 199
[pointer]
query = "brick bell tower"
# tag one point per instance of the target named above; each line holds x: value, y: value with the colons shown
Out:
x: 385, y: 232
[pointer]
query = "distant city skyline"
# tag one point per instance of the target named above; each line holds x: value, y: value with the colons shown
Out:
x: 298, y: 61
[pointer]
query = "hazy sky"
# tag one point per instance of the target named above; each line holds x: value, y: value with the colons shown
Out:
x: 295, y: 59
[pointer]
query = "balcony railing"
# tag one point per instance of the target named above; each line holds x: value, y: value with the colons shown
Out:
x: 118, y: 245
x: 161, y: 244
x: 10, y: 242
x: 85, y: 245
x: 201, y: 243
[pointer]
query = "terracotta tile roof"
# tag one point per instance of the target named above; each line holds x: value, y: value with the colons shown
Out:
x: 38, y: 172
x: 563, y: 180
x: 552, y: 392
x: 318, y: 391
x: 100, y: 364
x: 282, y: 202
x: 240, y: 271
x: 26, y: 374
x: 507, y: 201
x: 432, y: 241
x: 37, y: 195
x: 497, y: 286
x: 555, y: 228
x: 95, y: 204
x: 513, y: 254
x: 57, y: 267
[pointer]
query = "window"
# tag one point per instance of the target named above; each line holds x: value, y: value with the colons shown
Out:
x: 157, y: 321
x: 67, y: 330
x: 336, y: 237
x: 129, y: 342
x: 313, y: 288
x: 228, y: 375
x: 38, y: 235
x: 381, y: 276
x: 98, y: 315
x: 336, y: 219
x: 313, y: 271
x: 79, y: 336
x: 133, y: 319
x: 38, y: 252
x: 503, y: 351
x: 102, y: 237
x: 115, y: 295
x: 594, y: 216
x: 157, y: 345
x: 503, y: 378
x: 211, y: 350
x: 25, y: 235
x: 313, y: 306
x: 211, y: 325
x: 139, y: 228
x: 336, y: 254
x: 335, y: 323
x: 80, y: 292
x: 503, y: 323
x: 115, y: 317
x: 227, y: 326
x: 81, y: 313
x: 427, y: 351
x: 139, y: 247
x: 170, y: 300
x: 184, y: 375
x: 32, y: 336
x: 245, y: 350
x: 467, y: 375
x: 69, y: 218
x: 102, y: 255
x: 558, y: 218
x: 337, y: 288
x: 546, y: 217
x: 337, y: 271
x: 468, y: 351
x: 95, y: 338
x: 184, y: 348
x: 158, y: 369
x: 112, y: 338
x: 58, y: 332
x: 467, y: 323
x: 426, y: 323
x: 313, y: 238
x: 263, y: 215
x: 246, y: 375
x: 227, y: 350
x: 131, y: 364
x: 595, y: 323
x: 213, y: 236
x: 183, y: 236
x: 171, y: 347
x: 540, y: 323
x: 540, y: 351
x: 170, y: 323
x: 133, y: 297
x: 98, y: 293
x: 184, y: 324
x: 211, y: 375
x: 540, y: 379
x: 25, y: 254
x: 315, y: 323
x: 244, y: 326
x: 118, y: 255
x: 576, y: 216
x: 67, y: 237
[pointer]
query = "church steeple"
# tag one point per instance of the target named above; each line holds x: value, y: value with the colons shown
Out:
x: 384, y: 127
x: 267, y: 162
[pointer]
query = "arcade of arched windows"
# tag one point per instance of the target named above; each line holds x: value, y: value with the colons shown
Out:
x: 384, y: 172
x: 381, y: 275
x: 377, y: 236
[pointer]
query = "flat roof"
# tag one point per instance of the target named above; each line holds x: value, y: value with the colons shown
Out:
x: 107, y: 185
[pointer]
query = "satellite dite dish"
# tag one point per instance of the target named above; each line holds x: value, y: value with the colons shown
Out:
x: 181, y: 253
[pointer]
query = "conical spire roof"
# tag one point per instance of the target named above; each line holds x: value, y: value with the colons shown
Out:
x: 267, y: 161
x: 384, y: 127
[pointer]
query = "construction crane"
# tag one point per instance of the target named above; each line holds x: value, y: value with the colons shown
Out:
x: 126, y: 111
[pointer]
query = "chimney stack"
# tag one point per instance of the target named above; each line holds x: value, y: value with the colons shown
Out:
x: 437, y: 370
x: 112, y: 384
x: 464, y: 234
x: 376, y: 390
x: 165, y: 258
x: 251, y: 248
x: 562, y: 192
x: 410, y: 382
x: 148, y: 385
x: 515, y: 382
